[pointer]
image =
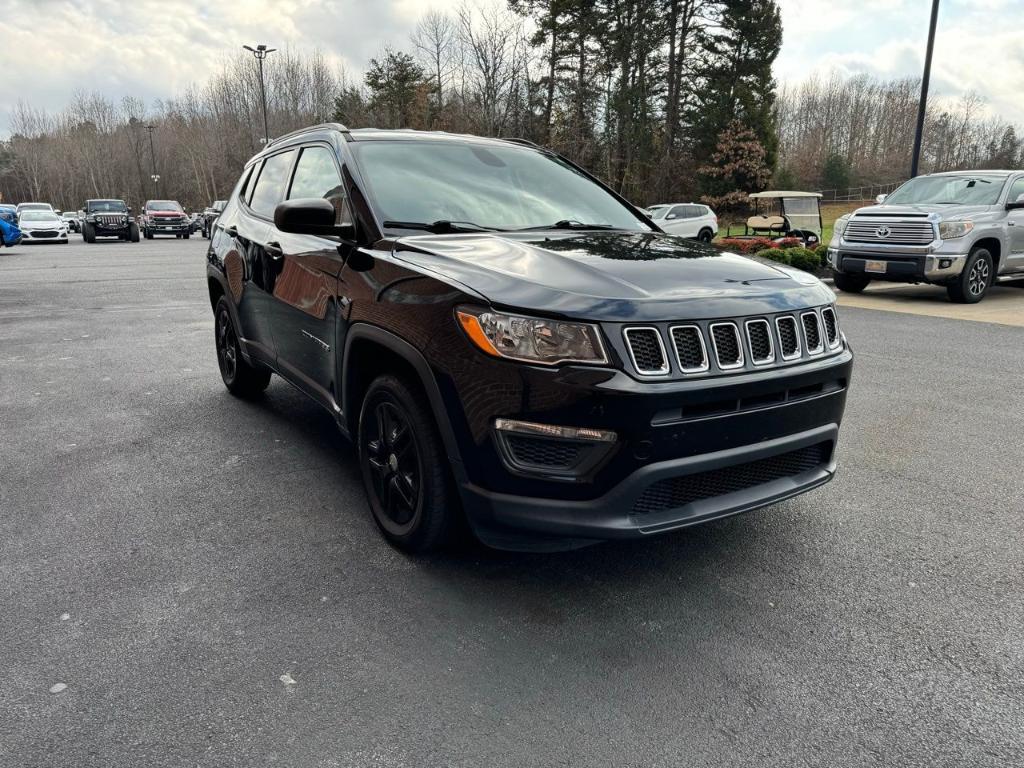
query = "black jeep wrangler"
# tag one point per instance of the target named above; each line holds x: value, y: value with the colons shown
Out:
x: 511, y: 344
x: 108, y: 218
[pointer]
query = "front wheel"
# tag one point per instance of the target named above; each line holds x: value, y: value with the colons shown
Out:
x: 89, y: 233
x: 974, y: 281
x: 187, y: 235
x: 850, y: 283
x: 241, y: 379
x: 403, y: 464
x: 133, y: 233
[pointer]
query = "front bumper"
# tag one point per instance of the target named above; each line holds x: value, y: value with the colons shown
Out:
x: 679, y: 459
x: 158, y: 228
x: 899, y: 267
x: 48, y: 236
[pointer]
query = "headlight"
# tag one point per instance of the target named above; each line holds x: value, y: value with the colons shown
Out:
x: 840, y: 225
x: 532, y: 339
x: 949, y: 230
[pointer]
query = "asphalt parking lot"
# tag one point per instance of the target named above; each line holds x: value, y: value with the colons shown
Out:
x: 187, y: 579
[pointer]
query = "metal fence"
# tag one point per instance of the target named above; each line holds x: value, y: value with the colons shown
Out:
x: 857, y: 194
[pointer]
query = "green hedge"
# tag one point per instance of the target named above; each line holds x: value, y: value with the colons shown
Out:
x: 801, y: 258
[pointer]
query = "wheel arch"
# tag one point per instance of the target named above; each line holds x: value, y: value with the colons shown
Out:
x: 993, y: 246
x: 370, y: 351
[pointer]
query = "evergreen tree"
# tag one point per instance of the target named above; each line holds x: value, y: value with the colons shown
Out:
x: 736, y: 82
x: 395, y: 84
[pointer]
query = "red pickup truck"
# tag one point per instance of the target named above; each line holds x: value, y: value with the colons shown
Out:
x: 164, y: 217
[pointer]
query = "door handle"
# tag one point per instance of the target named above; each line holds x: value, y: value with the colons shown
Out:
x: 273, y: 249
x: 232, y: 231
x: 1011, y: 223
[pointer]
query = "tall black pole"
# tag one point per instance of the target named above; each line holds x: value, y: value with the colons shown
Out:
x: 152, y: 155
x: 922, y: 105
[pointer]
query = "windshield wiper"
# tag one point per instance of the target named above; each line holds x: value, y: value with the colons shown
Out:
x: 441, y: 226
x: 568, y: 224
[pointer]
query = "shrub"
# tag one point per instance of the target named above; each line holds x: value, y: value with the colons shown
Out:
x: 822, y: 251
x: 745, y: 244
x: 805, y: 259
x: 789, y: 242
x: 774, y: 254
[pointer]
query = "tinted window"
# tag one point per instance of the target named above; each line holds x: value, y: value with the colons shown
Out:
x: 679, y: 212
x: 316, y: 175
x: 269, y: 189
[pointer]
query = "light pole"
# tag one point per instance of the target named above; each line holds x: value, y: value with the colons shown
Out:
x: 261, y: 52
x: 916, y: 158
x: 152, y: 156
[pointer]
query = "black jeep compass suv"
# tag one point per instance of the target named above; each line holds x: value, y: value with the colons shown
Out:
x: 509, y: 342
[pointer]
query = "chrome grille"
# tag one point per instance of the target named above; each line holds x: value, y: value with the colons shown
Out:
x: 690, y: 350
x: 789, y: 338
x: 646, y: 349
x: 828, y: 318
x: 879, y: 230
x: 812, y: 332
x: 728, y: 351
x: 759, y: 337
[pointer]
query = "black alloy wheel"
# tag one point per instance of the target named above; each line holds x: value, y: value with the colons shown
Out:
x: 239, y: 377
x: 227, y: 346
x: 405, y: 467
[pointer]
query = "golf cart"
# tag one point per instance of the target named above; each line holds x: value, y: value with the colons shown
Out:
x: 786, y: 214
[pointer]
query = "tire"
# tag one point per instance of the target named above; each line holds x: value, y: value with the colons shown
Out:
x: 705, y: 236
x: 186, y: 236
x: 147, y: 234
x: 133, y: 233
x: 89, y: 233
x: 850, y: 283
x: 975, y: 279
x: 404, y: 468
x: 241, y: 379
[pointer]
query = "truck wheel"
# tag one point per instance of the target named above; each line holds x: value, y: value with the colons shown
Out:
x: 133, y: 233
x: 850, y: 283
x: 241, y: 379
x: 147, y: 234
x: 403, y: 463
x: 973, y: 283
x: 89, y: 233
x: 187, y: 235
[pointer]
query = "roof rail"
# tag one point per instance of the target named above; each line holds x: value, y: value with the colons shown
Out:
x: 524, y: 142
x: 332, y: 126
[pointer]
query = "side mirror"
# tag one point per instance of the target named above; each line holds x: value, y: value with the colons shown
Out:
x: 311, y: 216
x: 129, y: 209
x: 1014, y: 205
x: 670, y: 216
x: 880, y: 199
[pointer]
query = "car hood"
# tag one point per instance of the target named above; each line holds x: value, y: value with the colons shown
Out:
x: 613, y: 276
x: 30, y: 225
x: 944, y: 212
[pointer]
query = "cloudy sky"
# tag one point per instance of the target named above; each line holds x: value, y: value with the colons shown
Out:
x: 153, y: 48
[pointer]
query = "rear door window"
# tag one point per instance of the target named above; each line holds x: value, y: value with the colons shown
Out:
x: 270, y: 186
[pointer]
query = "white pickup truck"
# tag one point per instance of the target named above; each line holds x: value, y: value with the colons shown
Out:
x: 963, y: 230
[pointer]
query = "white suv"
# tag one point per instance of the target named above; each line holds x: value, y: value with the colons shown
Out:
x: 686, y: 220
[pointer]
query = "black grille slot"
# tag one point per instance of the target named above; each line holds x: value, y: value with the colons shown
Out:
x: 647, y: 351
x: 676, y: 492
x: 690, y: 350
x: 727, y: 345
x: 828, y: 317
x: 788, y: 337
x: 540, y: 452
x: 812, y: 332
x: 44, y: 232
x: 760, y: 335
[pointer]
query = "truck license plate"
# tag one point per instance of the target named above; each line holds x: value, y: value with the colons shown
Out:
x: 875, y: 266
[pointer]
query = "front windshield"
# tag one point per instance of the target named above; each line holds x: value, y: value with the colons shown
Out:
x: 107, y: 206
x: 979, y: 189
x: 491, y: 186
x: 35, y: 207
x: 163, y: 205
x: 38, y: 216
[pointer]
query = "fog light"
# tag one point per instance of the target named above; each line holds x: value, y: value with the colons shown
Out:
x: 945, y: 263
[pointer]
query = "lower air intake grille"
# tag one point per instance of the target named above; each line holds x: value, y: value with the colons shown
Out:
x: 647, y: 351
x: 676, y: 492
x: 540, y: 452
x: 812, y: 332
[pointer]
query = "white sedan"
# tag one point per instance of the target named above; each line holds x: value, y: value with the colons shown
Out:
x: 42, y: 227
x: 692, y: 220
